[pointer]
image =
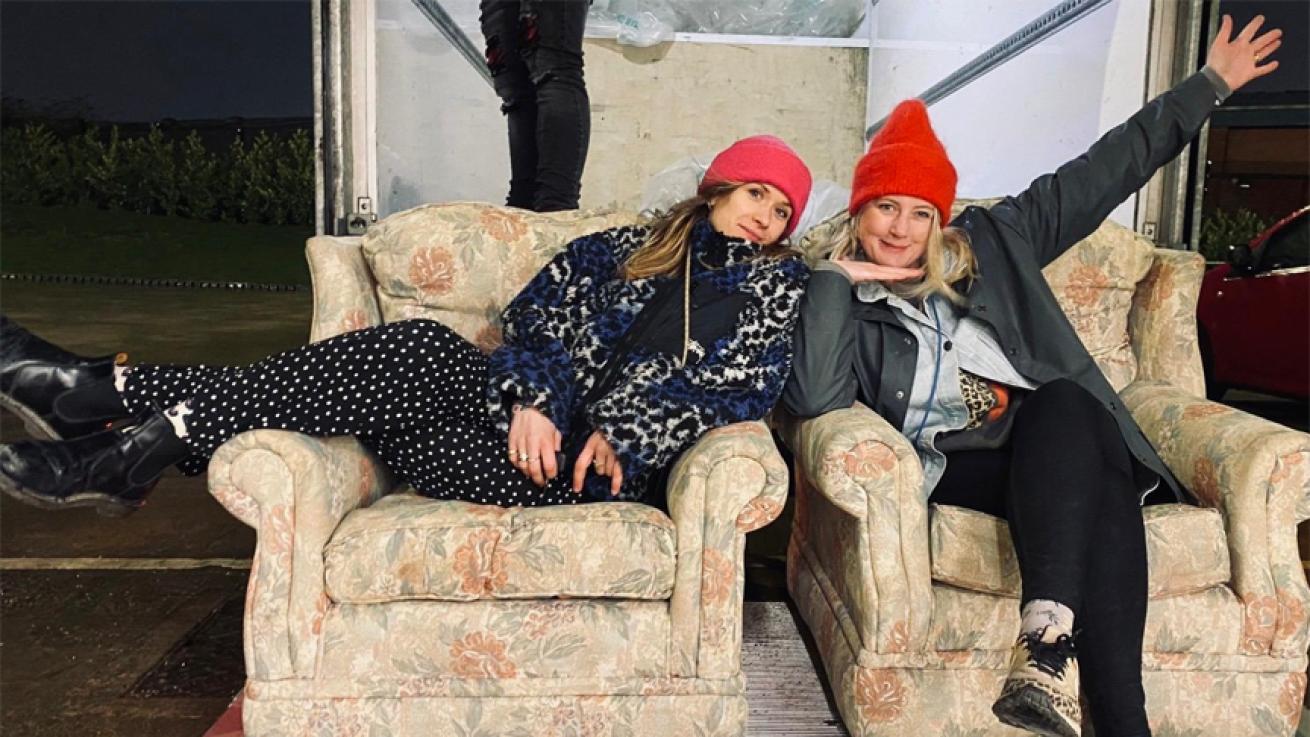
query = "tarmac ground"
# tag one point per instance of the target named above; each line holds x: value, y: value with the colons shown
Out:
x: 133, y: 626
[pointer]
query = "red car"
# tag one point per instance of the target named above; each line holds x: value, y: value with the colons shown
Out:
x: 1254, y: 314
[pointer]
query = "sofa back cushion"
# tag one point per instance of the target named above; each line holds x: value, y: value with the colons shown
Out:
x: 1094, y: 282
x: 461, y: 263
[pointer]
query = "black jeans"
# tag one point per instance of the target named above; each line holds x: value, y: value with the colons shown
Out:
x: 1065, y: 484
x: 534, y: 52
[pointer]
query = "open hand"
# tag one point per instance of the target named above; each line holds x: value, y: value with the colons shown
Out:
x: 533, y: 443
x: 860, y: 272
x: 598, y: 454
x: 1244, y: 58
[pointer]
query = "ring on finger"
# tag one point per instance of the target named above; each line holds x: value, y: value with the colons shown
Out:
x: 598, y: 464
x: 522, y: 456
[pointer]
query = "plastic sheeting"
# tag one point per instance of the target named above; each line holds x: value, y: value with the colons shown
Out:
x: 677, y: 182
x: 648, y: 22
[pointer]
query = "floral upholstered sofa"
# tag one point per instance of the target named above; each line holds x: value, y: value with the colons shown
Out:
x: 914, y: 607
x: 374, y: 611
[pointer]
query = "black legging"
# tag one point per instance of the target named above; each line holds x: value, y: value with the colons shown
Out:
x: 1065, y: 484
x: 412, y: 391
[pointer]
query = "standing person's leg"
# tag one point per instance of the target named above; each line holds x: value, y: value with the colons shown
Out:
x: 1071, y: 496
x: 551, y: 45
x: 509, y: 75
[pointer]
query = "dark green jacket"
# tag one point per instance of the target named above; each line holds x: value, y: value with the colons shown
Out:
x: 848, y: 350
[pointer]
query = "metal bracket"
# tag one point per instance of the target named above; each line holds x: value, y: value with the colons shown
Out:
x: 362, y: 217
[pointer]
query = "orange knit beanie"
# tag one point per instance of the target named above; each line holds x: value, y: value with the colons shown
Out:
x: 905, y: 158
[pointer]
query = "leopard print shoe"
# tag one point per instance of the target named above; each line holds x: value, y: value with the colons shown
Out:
x: 1041, y: 693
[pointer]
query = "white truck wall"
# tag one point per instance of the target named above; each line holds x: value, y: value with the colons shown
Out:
x: 441, y: 136
x: 1029, y: 115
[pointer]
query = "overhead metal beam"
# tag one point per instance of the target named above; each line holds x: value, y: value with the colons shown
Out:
x: 1048, y: 24
x: 433, y: 11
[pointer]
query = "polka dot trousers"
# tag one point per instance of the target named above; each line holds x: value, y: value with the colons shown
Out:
x: 412, y: 392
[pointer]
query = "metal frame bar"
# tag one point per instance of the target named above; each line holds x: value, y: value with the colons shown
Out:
x: 1048, y: 24
x: 455, y: 35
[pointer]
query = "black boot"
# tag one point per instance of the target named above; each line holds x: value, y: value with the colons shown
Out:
x: 112, y: 470
x: 57, y: 394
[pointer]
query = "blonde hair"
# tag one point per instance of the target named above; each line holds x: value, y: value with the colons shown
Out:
x: 666, y: 245
x: 939, y: 271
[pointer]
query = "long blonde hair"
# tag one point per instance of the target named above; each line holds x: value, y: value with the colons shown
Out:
x: 670, y: 231
x: 947, y: 259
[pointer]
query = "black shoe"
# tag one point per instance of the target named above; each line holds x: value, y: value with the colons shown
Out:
x: 112, y: 470
x: 57, y: 394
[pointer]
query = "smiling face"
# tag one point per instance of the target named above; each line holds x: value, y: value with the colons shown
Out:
x: 894, y: 230
x: 754, y: 211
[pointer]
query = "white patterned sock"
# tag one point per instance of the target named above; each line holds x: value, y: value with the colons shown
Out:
x: 120, y: 377
x: 1053, y: 615
x: 177, y: 418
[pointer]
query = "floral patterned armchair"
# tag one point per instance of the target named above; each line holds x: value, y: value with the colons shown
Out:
x: 374, y: 611
x: 914, y: 606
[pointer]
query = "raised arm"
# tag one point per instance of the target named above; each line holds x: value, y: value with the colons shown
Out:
x: 1060, y: 209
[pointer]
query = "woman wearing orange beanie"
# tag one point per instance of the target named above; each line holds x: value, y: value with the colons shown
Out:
x: 952, y: 335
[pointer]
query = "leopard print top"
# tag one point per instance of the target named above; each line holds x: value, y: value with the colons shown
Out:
x: 979, y: 399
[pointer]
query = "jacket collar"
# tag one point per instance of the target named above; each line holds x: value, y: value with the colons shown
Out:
x: 714, y: 250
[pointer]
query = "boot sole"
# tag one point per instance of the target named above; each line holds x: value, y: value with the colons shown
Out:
x: 105, y: 505
x: 1028, y: 708
x: 36, y: 427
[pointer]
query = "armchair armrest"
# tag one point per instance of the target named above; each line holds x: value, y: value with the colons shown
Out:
x: 1162, y: 321
x: 344, y: 298
x: 730, y: 482
x: 294, y: 490
x: 862, y: 525
x: 1257, y: 474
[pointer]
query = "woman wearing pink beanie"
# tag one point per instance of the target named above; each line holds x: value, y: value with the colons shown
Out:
x: 618, y: 355
x: 951, y: 334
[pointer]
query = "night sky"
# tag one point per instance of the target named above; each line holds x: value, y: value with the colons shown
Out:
x: 1293, y: 16
x: 127, y: 60
x: 142, y: 61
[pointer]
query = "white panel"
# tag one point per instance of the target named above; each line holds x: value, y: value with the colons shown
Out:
x: 1029, y: 115
x: 440, y: 133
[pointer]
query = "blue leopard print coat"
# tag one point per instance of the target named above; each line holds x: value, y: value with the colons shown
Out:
x: 562, y: 328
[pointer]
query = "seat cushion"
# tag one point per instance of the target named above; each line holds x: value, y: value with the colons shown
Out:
x: 407, y: 546
x: 1186, y: 550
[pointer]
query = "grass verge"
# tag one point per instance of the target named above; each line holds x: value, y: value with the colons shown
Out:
x: 85, y: 240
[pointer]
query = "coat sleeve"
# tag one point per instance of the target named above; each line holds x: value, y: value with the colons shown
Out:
x: 823, y: 368
x: 533, y: 365
x: 1060, y: 209
x: 661, y: 409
